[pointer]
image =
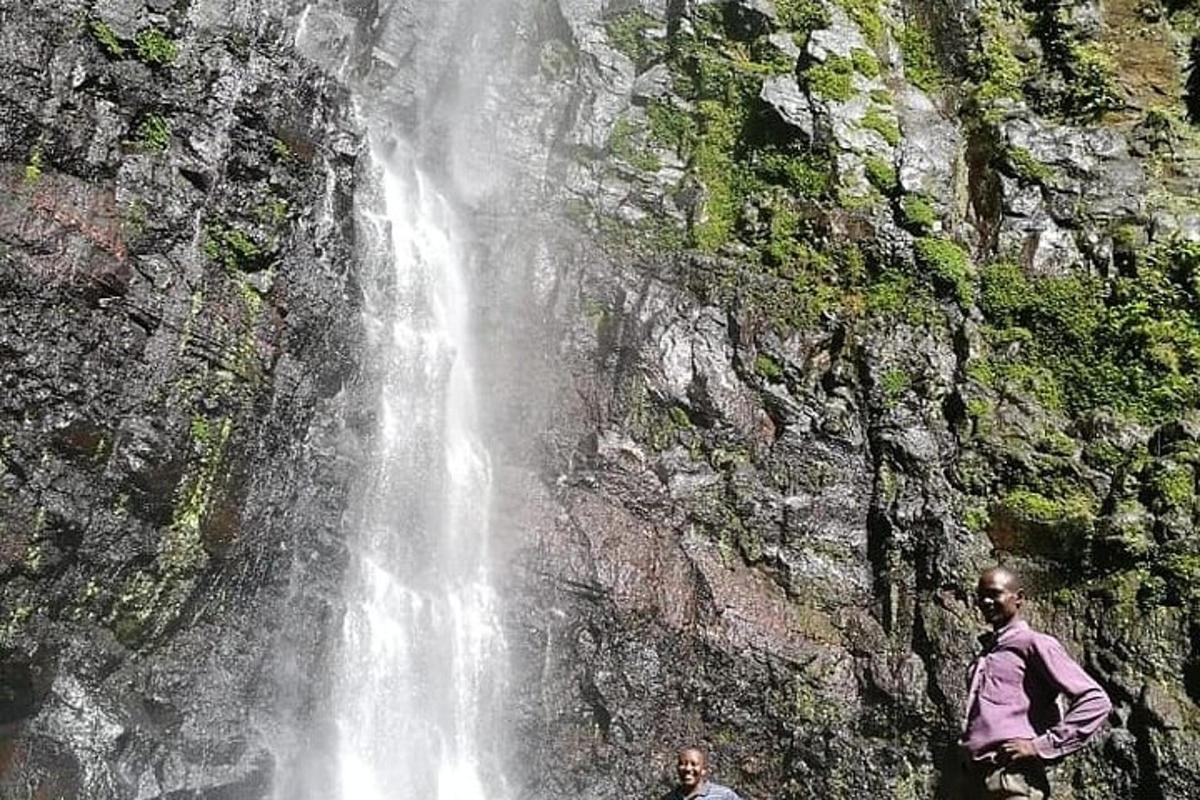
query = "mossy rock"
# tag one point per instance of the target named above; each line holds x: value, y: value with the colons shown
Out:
x: 1029, y: 522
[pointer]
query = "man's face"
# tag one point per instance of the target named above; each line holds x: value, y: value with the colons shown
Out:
x: 998, y: 598
x: 691, y: 769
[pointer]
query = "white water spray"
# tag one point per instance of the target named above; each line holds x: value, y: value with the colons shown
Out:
x: 419, y: 667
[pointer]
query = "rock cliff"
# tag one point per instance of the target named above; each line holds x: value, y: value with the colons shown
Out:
x: 799, y: 314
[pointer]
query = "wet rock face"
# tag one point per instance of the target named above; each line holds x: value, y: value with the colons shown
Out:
x: 178, y: 357
x: 799, y: 313
x: 834, y: 333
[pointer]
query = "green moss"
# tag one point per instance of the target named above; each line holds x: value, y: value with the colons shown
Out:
x: 713, y: 161
x: 831, y: 80
x: 154, y: 133
x: 1092, y: 78
x: 979, y: 408
x: 1073, y: 512
x: 1130, y: 344
x: 1174, y: 486
x: 893, y: 384
x: 1182, y: 574
x: 1125, y: 534
x: 1023, y: 378
x: 181, y: 549
x: 1085, y: 72
x: 883, y: 124
x: 996, y: 71
x: 865, y: 62
x: 671, y: 126
x: 917, y: 213
x: 977, y: 519
x: 622, y: 144
x: 232, y: 248
x: 627, y: 33
x: 899, y: 296
x: 273, y: 211
x: 1057, y: 443
x: 949, y: 264
x: 155, y: 47
x: 882, y: 175
x: 920, y: 59
x: 867, y: 17
x: 280, y: 149
x: 801, y: 15
x: 107, y: 38
x: 805, y: 175
x: 767, y: 367
x: 680, y: 418
x: 1026, y: 167
x: 34, y: 165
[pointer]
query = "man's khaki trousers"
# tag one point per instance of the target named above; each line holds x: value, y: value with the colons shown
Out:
x: 1024, y: 779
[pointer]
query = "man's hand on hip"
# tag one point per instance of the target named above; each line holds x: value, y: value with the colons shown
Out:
x: 1015, y: 750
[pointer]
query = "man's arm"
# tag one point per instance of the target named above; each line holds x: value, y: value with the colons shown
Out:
x: 1087, y: 703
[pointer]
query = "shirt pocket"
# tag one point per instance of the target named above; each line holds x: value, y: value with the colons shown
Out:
x: 1003, y: 678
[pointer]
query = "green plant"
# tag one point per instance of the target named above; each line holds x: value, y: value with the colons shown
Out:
x: 627, y: 34
x: 713, y: 162
x: 865, y: 62
x: 894, y: 294
x: 154, y: 133
x: 1075, y: 510
x: 1174, y: 485
x: 801, y: 15
x: 1026, y: 166
x: 886, y: 126
x: 155, y: 47
x: 997, y: 74
x: 35, y: 165
x: 671, y: 126
x: 882, y: 175
x: 918, y: 213
x: 806, y: 175
x: 1130, y: 343
x: 949, y: 264
x: 621, y: 143
x: 1092, y: 78
x: 920, y: 59
x: 831, y: 80
x: 977, y: 519
x: 273, y: 211
x: 107, y: 38
x: 866, y: 15
x: 767, y: 367
x: 232, y: 248
x: 893, y: 384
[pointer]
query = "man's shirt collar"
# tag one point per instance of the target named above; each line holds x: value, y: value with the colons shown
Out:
x: 990, y: 639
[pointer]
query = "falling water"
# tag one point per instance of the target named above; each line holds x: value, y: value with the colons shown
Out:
x: 420, y: 645
x: 418, y: 665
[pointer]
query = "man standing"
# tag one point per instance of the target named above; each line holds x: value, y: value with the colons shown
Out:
x: 692, y: 771
x: 1013, y: 724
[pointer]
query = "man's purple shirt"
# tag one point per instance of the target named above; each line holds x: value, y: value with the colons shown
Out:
x: 1014, y: 686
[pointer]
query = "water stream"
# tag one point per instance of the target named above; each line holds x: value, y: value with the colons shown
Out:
x: 421, y: 649
x: 418, y: 667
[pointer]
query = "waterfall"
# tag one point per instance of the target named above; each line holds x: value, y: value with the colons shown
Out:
x: 416, y: 671
x: 420, y: 655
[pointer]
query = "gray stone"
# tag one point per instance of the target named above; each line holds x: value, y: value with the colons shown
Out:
x: 783, y: 94
x: 653, y: 83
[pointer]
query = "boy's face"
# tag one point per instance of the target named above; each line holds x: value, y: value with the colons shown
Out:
x: 691, y: 769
